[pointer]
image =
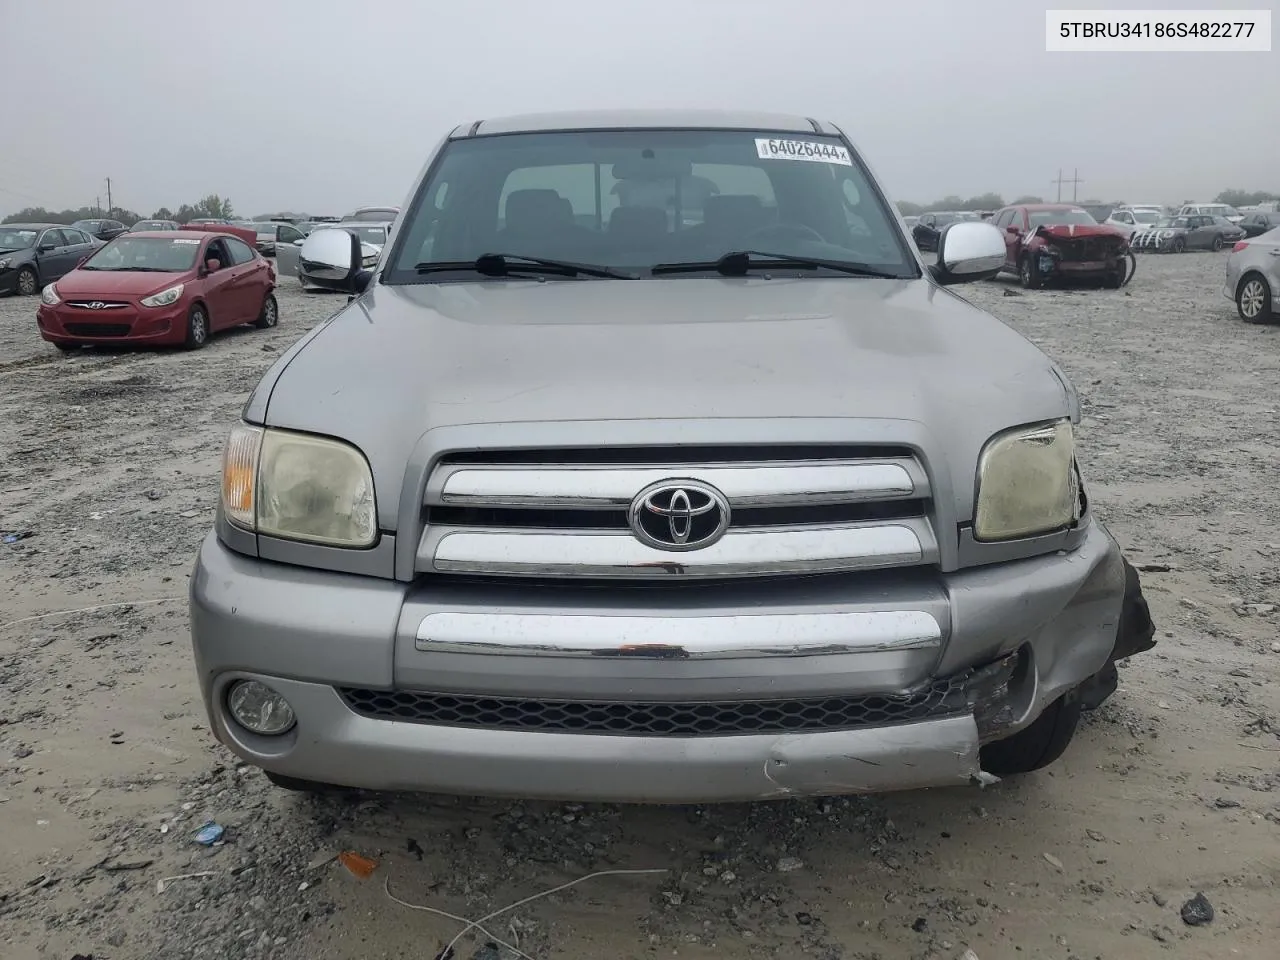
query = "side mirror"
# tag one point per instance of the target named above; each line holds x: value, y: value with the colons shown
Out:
x: 968, y: 250
x: 1011, y: 228
x: 46, y: 247
x: 299, y: 242
x: 213, y: 265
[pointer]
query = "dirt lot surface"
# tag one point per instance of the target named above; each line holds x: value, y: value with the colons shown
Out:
x: 109, y: 461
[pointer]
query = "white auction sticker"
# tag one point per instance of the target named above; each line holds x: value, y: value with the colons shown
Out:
x: 809, y: 150
x: 1157, y: 31
x: 180, y: 240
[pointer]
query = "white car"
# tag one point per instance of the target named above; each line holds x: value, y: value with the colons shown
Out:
x: 1211, y: 210
x: 1129, y: 219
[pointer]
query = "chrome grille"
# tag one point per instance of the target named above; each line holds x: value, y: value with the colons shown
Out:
x: 553, y: 513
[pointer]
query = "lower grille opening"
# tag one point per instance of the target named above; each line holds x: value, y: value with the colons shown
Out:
x: 98, y: 329
x: 659, y: 718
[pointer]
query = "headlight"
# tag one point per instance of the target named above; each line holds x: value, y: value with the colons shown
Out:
x: 4, y: 264
x: 1166, y: 233
x: 163, y: 298
x: 298, y: 487
x: 49, y: 295
x: 1027, y: 483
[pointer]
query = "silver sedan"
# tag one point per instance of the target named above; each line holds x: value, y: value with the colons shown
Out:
x: 1253, y: 277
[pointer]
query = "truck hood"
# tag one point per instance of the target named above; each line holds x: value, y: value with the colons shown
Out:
x: 405, y: 360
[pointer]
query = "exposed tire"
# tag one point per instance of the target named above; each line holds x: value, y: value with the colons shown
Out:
x: 303, y: 284
x: 270, y: 314
x: 1039, y: 744
x: 1029, y: 273
x: 28, y: 282
x: 1253, y: 299
x: 1179, y: 245
x: 302, y: 786
x: 1114, y: 279
x: 197, y: 328
x: 1217, y: 242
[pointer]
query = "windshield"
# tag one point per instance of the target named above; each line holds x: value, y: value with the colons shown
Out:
x: 1174, y: 222
x: 12, y: 238
x: 259, y: 227
x: 146, y: 253
x: 1052, y: 217
x: 1146, y: 216
x: 87, y: 224
x: 634, y: 199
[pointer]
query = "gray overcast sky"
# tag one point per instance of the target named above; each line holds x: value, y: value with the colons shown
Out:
x: 322, y: 106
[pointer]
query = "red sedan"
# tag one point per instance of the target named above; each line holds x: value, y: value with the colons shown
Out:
x: 174, y: 287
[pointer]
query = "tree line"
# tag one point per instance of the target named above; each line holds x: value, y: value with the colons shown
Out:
x: 993, y: 201
x: 212, y: 206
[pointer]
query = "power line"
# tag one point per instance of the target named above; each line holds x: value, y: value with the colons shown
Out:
x: 1075, y: 181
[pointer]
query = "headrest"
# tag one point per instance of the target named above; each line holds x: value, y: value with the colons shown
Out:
x: 536, y: 207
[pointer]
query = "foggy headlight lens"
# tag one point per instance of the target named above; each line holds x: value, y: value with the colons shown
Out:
x: 1027, y: 483
x: 298, y: 487
x: 48, y: 296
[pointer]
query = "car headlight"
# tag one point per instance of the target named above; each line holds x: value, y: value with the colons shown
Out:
x: 49, y: 295
x: 1027, y: 483
x: 1166, y: 233
x: 298, y: 487
x: 163, y: 298
x: 4, y: 263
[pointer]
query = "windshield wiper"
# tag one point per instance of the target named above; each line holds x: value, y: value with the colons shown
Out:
x: 740, y: 262
x: 505, y: 264
x: 134, y: 269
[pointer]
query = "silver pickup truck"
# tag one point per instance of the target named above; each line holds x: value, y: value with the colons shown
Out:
x: 653, y: 463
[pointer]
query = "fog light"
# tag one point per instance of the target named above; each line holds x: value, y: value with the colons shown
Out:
x: 259, y: 709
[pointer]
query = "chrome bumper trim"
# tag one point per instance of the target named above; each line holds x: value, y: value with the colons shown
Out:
x: 678, y: 637
x: 613, y: 487
x: 744, y: 552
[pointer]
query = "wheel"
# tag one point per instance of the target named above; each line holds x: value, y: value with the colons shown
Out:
x: 67, y: 347
x: 270, y: 314
x: 1114, y: 279
x: 302, y: 786
x: 1178, y: 246
x: 1217, y: 242
x: 197, y: 328
x: 1029, y: 273
x: 302, y: 283
x: 28, y: 282
x: 1253, y: 299
x: 1039, y: 744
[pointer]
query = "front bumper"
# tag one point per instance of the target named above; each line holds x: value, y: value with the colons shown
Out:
x: 128, y: 324
x: 307, y: 633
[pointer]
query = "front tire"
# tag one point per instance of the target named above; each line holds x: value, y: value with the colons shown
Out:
x: 1253, y: 299
x: 28, y: 282
x: 197, y: 328
x: 270, y: 314
x: 1179, y: 245
x: 302, y: 786
x: 1029, y: 273
x: 1039, y: 744
x: 1217, y: 242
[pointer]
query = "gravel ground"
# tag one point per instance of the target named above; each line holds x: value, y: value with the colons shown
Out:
x: 1171, y: 789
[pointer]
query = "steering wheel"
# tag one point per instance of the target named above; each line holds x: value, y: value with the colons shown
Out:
x: 785, y: 231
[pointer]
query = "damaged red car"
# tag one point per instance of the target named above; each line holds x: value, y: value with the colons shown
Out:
x: 1048, y: 242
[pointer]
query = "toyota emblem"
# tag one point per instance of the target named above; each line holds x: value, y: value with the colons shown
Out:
x: 679, y: 515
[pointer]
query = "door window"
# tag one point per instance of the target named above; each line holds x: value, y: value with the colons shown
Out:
x: 53, y: 238
x: 240, y: 252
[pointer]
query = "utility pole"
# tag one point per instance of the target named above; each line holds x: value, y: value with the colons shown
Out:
x: 110, y: 205
x: 97, y: 206
x: 1075, y: 182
